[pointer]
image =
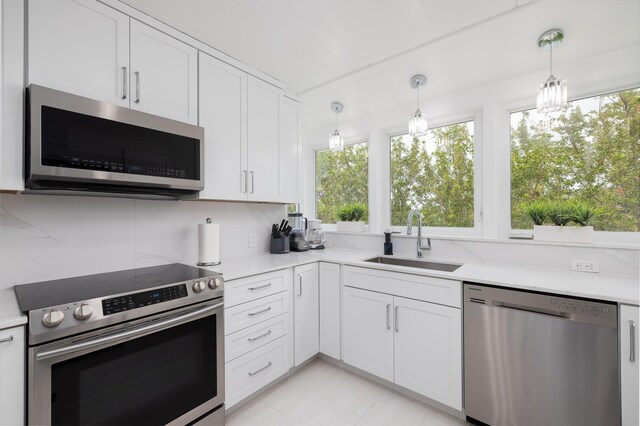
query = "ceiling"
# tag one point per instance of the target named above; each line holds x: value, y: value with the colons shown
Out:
x: 363, y: 52
x: 307, y: 43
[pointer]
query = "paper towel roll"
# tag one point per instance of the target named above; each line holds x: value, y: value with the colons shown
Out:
x: 208, y: 244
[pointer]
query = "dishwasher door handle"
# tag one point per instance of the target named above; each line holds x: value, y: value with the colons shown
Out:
x: 529, y: 309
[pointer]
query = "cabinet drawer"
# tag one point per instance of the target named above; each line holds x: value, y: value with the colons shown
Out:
x: 251, y: 288
x: 253, y: 337
x: 428, y: 289
x: 249, y: 373
x: 242, y: 316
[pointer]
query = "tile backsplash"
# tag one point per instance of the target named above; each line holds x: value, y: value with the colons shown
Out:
x: 44, y: 237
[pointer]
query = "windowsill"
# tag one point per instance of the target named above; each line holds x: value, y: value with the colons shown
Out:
x: 622, y: 246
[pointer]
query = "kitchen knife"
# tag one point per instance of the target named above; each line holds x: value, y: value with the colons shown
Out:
x: 282, y: 225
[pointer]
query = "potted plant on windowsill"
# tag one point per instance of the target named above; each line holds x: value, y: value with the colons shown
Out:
x: 561, y: 214
x: 351, y: 218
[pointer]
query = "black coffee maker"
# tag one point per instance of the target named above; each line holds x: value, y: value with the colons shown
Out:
x: 297, y: 241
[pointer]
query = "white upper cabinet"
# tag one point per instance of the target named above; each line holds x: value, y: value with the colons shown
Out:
x: 80, y: 47
x: 223, y: 114
x: 164, y: 74
x: 289, y: 147
x: 263, y: 140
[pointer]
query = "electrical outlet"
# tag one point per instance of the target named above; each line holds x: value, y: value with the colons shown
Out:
x: 584, y: 265
x: 252, y: 240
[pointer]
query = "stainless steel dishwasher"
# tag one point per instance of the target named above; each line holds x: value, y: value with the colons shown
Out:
x: 538, y: 359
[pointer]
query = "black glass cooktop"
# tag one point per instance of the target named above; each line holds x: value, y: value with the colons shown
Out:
x: 68, y: 290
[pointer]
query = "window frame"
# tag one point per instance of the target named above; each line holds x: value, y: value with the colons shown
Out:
x: 347, y: 142
x: 505, y: 231
x: 442, y: 231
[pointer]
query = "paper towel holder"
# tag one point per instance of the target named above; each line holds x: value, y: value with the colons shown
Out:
x: 209, y: 263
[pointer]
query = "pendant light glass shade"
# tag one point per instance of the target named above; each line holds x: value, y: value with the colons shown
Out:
x: 418, y: 125
x: 552, y: 94
x: 336, y: 142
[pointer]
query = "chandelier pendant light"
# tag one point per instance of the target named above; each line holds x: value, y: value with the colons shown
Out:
x: 336, y: 142
x: 417, y: 121
x: 552, y: 94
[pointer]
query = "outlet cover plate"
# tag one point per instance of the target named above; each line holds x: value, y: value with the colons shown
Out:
x: 584, y: 265
x: 252, y: 240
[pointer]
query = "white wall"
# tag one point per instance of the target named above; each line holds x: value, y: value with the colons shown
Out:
x: 44, y: 237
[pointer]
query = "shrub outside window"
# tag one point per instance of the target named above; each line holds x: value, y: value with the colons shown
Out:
x: 589, y: 153
x: 341, y: 179
x: 436, y: 174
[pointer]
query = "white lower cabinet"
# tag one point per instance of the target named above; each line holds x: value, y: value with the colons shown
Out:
x: 415, y: 344
x: 329, y: 277
x: 258, y: 347
x: 629, y: 370
x: 306, y: 323
x: 12, y: 376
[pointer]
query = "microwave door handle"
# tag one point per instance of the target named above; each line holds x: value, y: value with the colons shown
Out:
x: 129, y: 334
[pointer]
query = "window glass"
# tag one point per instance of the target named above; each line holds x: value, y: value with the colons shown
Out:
x: 588, y: 153
x: 341, y: 180
x: 435, y: 174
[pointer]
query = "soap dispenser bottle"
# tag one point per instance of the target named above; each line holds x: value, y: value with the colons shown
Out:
x: 388, y: 245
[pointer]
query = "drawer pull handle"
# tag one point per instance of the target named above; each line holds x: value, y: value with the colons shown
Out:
x: 7, y: 339
x: 632, y: 341
x: 253, y: 339
x: 253, y: 373
x: 260, y: 286
x: 267, y: 309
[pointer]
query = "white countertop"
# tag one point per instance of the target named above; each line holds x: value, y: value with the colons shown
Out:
x: 610, y: 287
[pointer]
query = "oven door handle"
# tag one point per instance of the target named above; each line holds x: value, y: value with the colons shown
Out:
x: 129, y: 334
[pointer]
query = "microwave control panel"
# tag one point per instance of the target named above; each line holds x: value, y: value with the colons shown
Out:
x: 142, y: 299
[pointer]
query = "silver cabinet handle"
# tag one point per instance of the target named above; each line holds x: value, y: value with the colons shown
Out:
x: 137, y: 74
x: 300, y: 285
x: 252, y: 182
x: 632, y: 341
x: 395, y: 318
x: 253, y: 339
x: 124, y: 82
x: 259, y: 287
x: 267, y: 309
x: 7, y: 339
x: 260, y: 369
x: 388, y: 317
x: 246, y: 180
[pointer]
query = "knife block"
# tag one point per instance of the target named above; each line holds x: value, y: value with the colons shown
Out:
x: 279, y: 245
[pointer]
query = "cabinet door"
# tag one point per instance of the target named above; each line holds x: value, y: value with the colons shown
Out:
x: 367, y: 336
x: 329, y: 275
x: 305, y: 312
x: 629, y: 371
x: 164, y: 74
x: 80, y: 47
x: 223, y: 114
x: 289, y: 149
x: 12, y: 373
x: 428, y: 350
x: 11, y: 95
x: 263, y: 128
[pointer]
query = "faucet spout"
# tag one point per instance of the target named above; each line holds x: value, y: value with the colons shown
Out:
x: 419, y: 245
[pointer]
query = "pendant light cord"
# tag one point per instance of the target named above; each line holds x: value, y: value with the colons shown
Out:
x: 418, y: 96
x: 551, y: 58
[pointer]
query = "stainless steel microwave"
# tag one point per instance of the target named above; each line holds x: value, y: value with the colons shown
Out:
x: 79, y: 144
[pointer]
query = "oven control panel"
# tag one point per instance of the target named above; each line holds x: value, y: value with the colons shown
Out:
x: 142, y: 299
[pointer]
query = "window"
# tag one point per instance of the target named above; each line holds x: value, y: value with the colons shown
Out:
x: 434, y: 173
x: 341, y: 179
x: 590, y: 152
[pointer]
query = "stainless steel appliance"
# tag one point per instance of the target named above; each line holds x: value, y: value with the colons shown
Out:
x: 142, y: 346
x: 315, y: 234
x: 539, y: 359
x: 79, y: 144
x: 298, y: 235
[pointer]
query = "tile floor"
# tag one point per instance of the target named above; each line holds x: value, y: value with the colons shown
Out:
x: 323, y: 394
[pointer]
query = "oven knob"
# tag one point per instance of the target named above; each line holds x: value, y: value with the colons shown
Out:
x: 83, y: 312
x: 214, y: 283
x: 52, y: 318
x: 198, y: 286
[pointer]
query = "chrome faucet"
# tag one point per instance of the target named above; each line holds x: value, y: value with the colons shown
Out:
x: 419, y: 243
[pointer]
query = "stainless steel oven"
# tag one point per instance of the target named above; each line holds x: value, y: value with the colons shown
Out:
x: 159, y: 361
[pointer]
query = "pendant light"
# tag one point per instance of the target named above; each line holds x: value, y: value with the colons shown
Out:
x: 418, y: 122
x: 552, y: 94
x: 336, y: 143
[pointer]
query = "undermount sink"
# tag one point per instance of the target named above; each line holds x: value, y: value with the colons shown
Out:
x: 421, y: 264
